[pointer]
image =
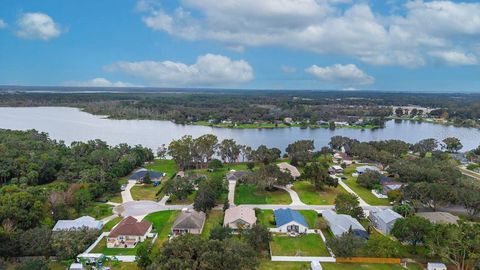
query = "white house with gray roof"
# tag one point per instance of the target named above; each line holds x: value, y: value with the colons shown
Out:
x: 78, y: 224
x: 384, y: 220
x: 340, y: 224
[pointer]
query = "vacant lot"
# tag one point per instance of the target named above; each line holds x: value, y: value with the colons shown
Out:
x: 304, y: 245
x: 307, y: 193
x: 364, y: 193
x: 214, y: 218
x: 248, y: 194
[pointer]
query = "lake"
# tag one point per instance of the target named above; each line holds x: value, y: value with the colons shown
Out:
x: 71, y: 124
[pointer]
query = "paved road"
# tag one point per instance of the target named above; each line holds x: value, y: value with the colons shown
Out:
x: 126, y: 195
x: 293, y: 194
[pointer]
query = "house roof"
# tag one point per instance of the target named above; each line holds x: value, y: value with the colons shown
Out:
x: 363, y: 169
x: 439, y: 217
x: 189, y: 219
x: 139, y: 174
x: 386, y: 215
x: 340, y: 224
x: 286, y: 215
x: 236, y: 175
x: 239, y: 213
x: 85, y: 221
x: 343, y: 155
x: 285, y: 167
x: 130, y: 226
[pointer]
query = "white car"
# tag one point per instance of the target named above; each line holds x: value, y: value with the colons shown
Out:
x: 123, y: 187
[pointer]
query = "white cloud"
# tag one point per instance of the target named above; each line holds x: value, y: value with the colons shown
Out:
x: 455, y: 58
x: 3, y: 24
x: 348, y: 74
x: 288, y: 69
x: 102, y: 82
x: 37, y: 26
x: 208, y: 70
x: 404, y: 38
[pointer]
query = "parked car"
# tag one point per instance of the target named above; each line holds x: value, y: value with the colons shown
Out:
x: 123, y: 187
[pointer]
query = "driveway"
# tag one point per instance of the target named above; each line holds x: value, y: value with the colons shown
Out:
x: 141, y: 208
x: 231, y: 192
x: 293, y: 194
x: 349, y: 190
x: 126, y: 195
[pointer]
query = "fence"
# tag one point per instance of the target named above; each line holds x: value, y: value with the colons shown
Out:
x: 369, y: 260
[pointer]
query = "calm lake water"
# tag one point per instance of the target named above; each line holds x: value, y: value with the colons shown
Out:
x: 70, y: 124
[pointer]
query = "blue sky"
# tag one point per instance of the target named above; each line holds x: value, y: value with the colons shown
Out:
x: 389, y: 45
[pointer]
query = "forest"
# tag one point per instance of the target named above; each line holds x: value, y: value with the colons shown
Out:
x: 190, y: 106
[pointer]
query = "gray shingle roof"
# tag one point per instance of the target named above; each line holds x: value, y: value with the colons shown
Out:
x: 387, y: 215
x: 85, y: 221
x: 340, y: 224
x: 189, y: 220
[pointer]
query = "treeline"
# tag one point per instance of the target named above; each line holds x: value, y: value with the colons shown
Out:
x: 249, y: 106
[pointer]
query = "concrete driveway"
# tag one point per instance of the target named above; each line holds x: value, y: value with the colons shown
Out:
x: 126, y: 195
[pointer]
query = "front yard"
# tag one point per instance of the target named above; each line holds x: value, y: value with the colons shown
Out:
x: 307, y: 193
x: 248, y: 194
x: 364, y: 193
x: 214, y: 218
x: 304, y: 245
x: 101, y: 247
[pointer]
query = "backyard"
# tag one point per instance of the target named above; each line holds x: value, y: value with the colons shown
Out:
x: 304, y: 245
x: 101, y: 247
x: 162, y: 223
x: 364, y: 193
x: 307, y: 193
x: 248, y: 194
x: 269, y: 265
x: 109, y: 225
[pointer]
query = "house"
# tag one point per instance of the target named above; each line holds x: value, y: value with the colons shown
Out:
x: 340, y: 224
x: 384, y: 220
x: 362, y: 169
x: 344, y: 157
x: 236, y: 175
x: 77, y: 224
x: 76, y: 266
x: 287, y: 120
x: 128, y: 233
x: 439, y: 217
x: 292, y: 170
x: 140, y: 174
x: 335, y: 169
x: 436, y: 266
x: 189, y: 221
x: 239, y: 217
x: 388, y: 184
x: 288, y: 220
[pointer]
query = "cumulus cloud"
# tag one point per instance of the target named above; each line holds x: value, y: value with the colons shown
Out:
x: 208, y: 70
x: 348, y: 74
x: 455, y: 58
x: 403, y: 38
x: 37, y: 26
x: 102, y: 82
x: 3, y: 24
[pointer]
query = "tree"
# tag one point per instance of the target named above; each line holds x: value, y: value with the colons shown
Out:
x: 347, y: 245
x: 250, y: 165
x: 265, y: 155
x: 459, y: 245
x: 425, y: 146
x: 379, y: 246
x: 215, y: 164
x: 229, y: 151
x: 68, y: 244
x: 142, y: 256
x: 301, y: 151
x: 452, y: 144
x: 205, y: 147
x: 268, y: 176
x: 220, y: 233
x: 346, y: 203
x: 399, y: 112
x: 147, y: 179
x: 179, y: 187
x: 413, y: 230
x: 162, y: 151
x: 258, y: 237
x: 318, y: 174
x: 404, y: 209
x: 37, y: 264
x: 181, y: 151
x: 204, y: 199
x: 369, y: 179
x: 470, y: 199
x: 336, y: 142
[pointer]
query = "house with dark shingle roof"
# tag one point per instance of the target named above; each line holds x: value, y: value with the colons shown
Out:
x: 288, y: 220
x: 140, y: 174
x: 189, y: 221
x: 128, y: 233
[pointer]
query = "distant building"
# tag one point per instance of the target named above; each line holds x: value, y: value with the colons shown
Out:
x: 436, y: 266
x: 335, y: 169
x: 236, y: 175
x: 363, y: 169
x: 239, y: 217
x: 292, y: 170
x: 340, y: 224
x: 288, y: 220
x: 128, y: 233
x: 384, y: 220
x: 140, y: 174
x: 439, y: 217
x: 344, y: 158
x: 287, y: 120
x: 189, y: 221
x: 388, y: 184
x: 78, y: 224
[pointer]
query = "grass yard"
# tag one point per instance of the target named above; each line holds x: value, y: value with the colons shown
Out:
x: 366, y: 266
x: 144, y: 192
x: 97, y: 210
x: 311, y: 217
x: 266, y: 218
x: 102, y: 248
x: 364, y: 193
x: 214, y: 218
x: 167, y: 166
x: 307, y: 193
x: 162, y: 223
x: 122, y: 266
x: 304, y: 245
x: 248, y: 194
x: 109, y: 225
x: 188, y: 200
x: 266, y: 264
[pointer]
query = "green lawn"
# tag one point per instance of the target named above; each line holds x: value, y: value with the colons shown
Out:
x: 266, y: 218
x: 188, y: 200
x: 366, y: 266
x: 307, y: 193
x: 248, y: 194
x: 109, y: 225
x: 364, y: 193
x: 266, y: 264
x: 167, y: 166
x: 214, y: 218
x: 304, y: 245
x: 149, y: 192
x: 311, y: 217
x: 162, y: 223
x: 144, y: 192
x: 101, y: 247
x: 97, y: 210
